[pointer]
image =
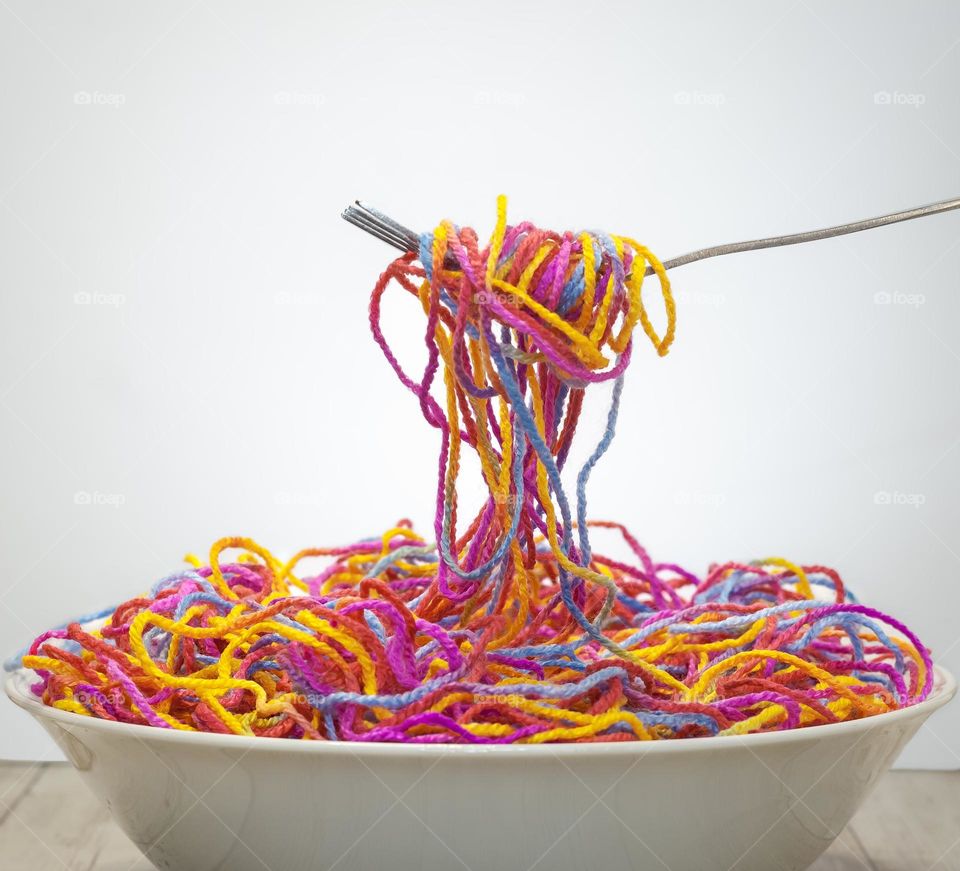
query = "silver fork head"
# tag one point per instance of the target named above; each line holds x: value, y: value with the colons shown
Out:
x: 383, y: 228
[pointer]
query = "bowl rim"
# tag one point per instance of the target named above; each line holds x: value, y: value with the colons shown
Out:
x: 18, y: 682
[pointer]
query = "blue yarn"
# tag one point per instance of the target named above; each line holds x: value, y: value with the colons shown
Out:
x: 534, y: 650
x: 503, y: 546
x: 573, y: 664
x: 373, y: 621
x: 400, y: 700
x: 498, y: 574
x: 211, y: 598
x: 401, y: 553
x: 572, y: 290
x: 177, y: 578
x: 12, y: 663
x: 878, y: 677
x: 584, y: 476
x: 846, y: 619
x: 508, y: 379
x: 722, y: 592
x: 331, y: 725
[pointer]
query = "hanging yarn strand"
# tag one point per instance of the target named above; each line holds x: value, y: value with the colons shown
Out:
x: 507, y: 626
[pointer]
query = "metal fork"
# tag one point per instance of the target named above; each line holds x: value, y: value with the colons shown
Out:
x: 403, y: 238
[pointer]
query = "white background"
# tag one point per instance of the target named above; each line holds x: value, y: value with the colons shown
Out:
x: 184, y: 313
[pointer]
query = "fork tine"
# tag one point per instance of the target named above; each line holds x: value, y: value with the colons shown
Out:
x: 360, y: 218
x: 405, y: 233
x: 374, y: 228
x: 387, y: 230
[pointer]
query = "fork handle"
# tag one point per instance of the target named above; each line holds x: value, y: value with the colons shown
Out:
x: 811, y: 235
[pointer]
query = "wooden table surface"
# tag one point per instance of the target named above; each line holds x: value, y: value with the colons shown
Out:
x: 50, y: 822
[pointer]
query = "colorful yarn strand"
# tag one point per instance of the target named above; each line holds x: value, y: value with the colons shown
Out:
x: 507, y: 627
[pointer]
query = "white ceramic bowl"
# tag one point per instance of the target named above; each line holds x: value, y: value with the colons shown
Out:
x: 197, y: 802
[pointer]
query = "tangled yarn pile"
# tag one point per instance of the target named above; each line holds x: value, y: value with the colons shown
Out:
x: 506, y: 627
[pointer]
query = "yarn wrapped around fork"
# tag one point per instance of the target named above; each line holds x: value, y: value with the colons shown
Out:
x: 505, y: 626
